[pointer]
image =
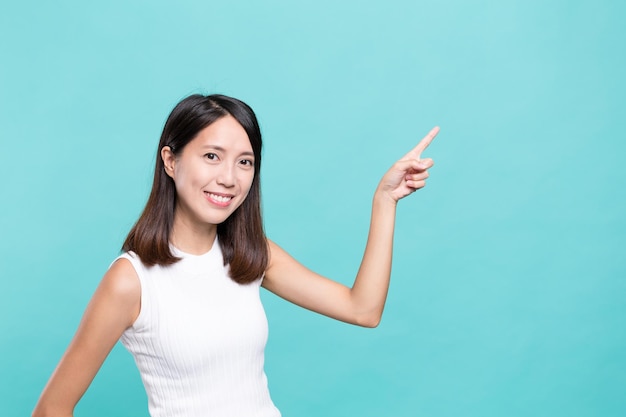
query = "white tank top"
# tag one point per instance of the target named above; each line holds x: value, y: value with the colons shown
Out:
x: 199, y: 340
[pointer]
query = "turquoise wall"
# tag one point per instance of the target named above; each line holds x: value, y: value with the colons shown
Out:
x: 508, y: 293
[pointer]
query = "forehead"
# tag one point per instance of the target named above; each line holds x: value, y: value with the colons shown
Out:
x: 225, y: 133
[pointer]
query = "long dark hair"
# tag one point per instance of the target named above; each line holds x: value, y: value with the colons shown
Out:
x: 241, y: 235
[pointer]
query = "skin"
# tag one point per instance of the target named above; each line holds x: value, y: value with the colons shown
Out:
x: 219, y: 162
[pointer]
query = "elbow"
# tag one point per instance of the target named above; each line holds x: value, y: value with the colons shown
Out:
x: 372, y: 324
x: 369, y: 321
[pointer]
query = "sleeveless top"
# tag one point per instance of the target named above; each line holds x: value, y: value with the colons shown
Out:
x: 199, y: 339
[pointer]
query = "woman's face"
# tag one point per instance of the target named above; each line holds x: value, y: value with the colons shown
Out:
x: 212, y: 174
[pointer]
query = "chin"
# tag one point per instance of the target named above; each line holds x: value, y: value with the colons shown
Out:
x: 217, y: 220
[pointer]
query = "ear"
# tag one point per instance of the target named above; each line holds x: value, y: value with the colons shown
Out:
x: 169, y: 160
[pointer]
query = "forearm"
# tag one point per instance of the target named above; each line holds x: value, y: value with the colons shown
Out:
x: 369, y: 291
x: 43, y: 411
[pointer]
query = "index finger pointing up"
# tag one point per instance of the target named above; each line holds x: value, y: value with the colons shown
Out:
x: 417, y: 151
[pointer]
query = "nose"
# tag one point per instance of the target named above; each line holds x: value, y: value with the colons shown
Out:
x: 226, y: 176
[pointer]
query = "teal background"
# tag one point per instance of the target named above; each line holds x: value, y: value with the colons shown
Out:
x: 508, y: 292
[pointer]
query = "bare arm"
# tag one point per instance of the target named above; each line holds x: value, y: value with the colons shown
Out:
x: 113, y: 308
x: 362, y: 304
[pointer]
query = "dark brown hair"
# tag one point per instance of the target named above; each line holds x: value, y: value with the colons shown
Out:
x: 241, y: 235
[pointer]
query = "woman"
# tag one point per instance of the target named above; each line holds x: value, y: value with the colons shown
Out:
x: 184, y: 296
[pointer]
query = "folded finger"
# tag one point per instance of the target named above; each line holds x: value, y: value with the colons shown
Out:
x: 426, y: 163
x: 416, y: 185
x: 417, y: 176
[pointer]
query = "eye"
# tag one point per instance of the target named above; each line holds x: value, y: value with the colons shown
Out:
x: 247, y: 162
x: 211, y: 156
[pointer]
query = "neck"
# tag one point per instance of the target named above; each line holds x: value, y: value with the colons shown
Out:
x: 191, y: 237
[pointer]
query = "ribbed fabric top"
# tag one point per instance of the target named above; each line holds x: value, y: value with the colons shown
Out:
x: 199, y: 340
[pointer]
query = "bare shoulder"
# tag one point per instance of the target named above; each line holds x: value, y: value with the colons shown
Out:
x: 122, y: 277
x: 282, y: 267
x: 121, y: 282
x: 273, y: 247
x: 277, y: 254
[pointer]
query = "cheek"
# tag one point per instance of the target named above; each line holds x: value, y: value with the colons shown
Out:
x: 190, y: 175
x: 246, y: 184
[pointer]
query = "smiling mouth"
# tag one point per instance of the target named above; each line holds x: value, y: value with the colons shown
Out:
x: 221, y: 199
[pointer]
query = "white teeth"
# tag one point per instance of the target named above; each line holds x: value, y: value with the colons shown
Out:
x: 220, y: 198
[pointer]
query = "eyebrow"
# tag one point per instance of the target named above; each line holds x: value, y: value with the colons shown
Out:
x: 219, y: 148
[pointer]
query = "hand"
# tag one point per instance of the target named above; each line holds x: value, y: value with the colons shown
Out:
x: 409, y: 173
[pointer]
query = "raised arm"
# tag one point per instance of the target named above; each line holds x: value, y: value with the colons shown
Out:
x: 362, y: 304
x: 113, y: 308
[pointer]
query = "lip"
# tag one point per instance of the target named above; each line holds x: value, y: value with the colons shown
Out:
x: 219, y: 199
